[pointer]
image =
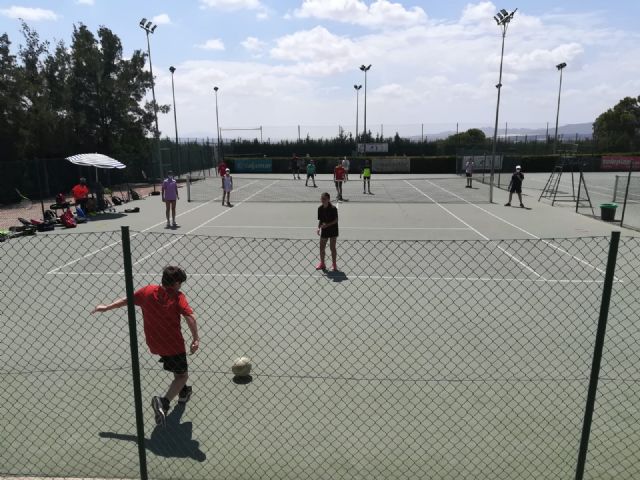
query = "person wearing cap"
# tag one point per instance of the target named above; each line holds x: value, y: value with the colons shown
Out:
x: 515, y: 186
x: 170, y: 197
x: 227, y: 187
x: 222, y: 167
x: 80, y: 193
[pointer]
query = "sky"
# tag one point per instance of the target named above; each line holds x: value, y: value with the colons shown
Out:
x: 280, y: 64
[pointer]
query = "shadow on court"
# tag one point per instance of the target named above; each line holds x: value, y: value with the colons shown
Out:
x: 172, y: 441
x: 337, y: 276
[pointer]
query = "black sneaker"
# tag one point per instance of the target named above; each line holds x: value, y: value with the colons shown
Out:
x: 184, y: 395
x: 507, y: 204
x: 160, y: 407
x: 521, y: 205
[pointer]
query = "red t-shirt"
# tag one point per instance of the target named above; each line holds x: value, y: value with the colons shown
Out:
x: 161, y: 310
x: 80, y: 192
x: 339, y: 172
x: 222, y: 168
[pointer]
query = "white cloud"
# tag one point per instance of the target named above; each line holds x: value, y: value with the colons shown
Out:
x: 253, y: 44
x: 212, y: 44
x: 29, y: 14
x: 434, y: 71
x: 86, y: 2
x: 232, y: 4
x: 380, y: 14
x: 162, y: 19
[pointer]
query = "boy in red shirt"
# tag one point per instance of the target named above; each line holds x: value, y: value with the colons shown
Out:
x: 339, y: 174
x: 80, y: 194
x: 162, y: 306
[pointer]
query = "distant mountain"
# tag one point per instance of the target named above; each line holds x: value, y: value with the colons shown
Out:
x: 583, y: 130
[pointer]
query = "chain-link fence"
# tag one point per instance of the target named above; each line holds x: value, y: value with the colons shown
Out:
x: 447, y: 359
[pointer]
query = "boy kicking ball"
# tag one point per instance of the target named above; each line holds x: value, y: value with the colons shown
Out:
x: 162, y: 306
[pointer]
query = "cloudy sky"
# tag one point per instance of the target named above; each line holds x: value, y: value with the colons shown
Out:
x: 284, y: 63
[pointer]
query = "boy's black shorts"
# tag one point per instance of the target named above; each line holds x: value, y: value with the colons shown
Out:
x: 175, y: 363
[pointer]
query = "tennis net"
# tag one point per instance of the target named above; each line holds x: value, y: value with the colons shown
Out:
x: 620, y: 189
x: 442, y: 189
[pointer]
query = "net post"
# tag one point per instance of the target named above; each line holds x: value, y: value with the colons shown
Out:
x: 135, y: 361
x: 188, y: 187
x: 626, y: 193
x: 597, y: 354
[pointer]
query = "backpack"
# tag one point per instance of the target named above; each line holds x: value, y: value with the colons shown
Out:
x: 67, y: 219
x: 134, y: 195
x: 116, y: 200
x: 61, y: 199
x: 50, y: 215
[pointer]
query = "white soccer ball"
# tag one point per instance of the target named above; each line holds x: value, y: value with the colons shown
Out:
x: 241, y: 367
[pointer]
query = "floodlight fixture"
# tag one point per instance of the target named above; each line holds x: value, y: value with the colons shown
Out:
x: 502, y: 18
x: 560, y: 67
x: 153, y: 29
x: 142, y: 22
x: 172, y: 69
x: 365, y: 69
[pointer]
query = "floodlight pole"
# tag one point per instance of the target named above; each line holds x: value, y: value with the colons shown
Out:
x: 149, y: 27
x: 175, y: 117
x: 502, y: 19
x: 220, y: 156
x: 555, y: 141
x: 357, y: 88
x: 365, y: 69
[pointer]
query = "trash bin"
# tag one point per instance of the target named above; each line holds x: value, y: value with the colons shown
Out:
x: 608, y: 211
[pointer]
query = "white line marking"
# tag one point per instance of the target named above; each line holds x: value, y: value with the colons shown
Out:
x: 483, y: 236
x: 90, y: 254
x: 360, y: 277
x: 179, y: 237
x: 555, y: 247
x: 280, y: 227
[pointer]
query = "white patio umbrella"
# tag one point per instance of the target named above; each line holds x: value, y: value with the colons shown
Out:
x: 96, y: 160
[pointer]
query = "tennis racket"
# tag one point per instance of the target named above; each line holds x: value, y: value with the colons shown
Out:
x: 23, y: 204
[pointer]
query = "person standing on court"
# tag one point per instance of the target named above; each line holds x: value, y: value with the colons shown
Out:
x: 468, y: 170
x: 328, y: 231
x: 346, y: 164
x: 222, y: 167
x: 365, y: 174
x: 294, y: 166
x: 515, y: 186
x: 170, y: 197
x: 227, y: 187
x: 162, y: 308
x: 311, y: 173
x: 338, y: 178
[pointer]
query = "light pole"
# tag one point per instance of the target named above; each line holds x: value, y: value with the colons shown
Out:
x: 357, y: 87
x: 560, y: 67
x: 149, y: 27
x: 215, y: 89
x: 365, y: 69
x: 502, y: 18
x: 172, y: 69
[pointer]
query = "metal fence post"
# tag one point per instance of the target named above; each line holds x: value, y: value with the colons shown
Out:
x: 135, y: 362
x: 597, y: 354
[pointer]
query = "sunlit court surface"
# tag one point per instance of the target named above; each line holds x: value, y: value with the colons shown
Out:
x: 453, y: 325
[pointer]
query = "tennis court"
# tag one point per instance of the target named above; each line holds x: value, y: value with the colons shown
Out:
x: 454, y: 342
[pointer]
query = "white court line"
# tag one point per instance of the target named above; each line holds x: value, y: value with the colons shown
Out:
x: 280, y: 227
x: 483, y: 236
x: 90, y: 254
x: 360, y: 277
x: 179, y: 237
x: 555, y: 247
